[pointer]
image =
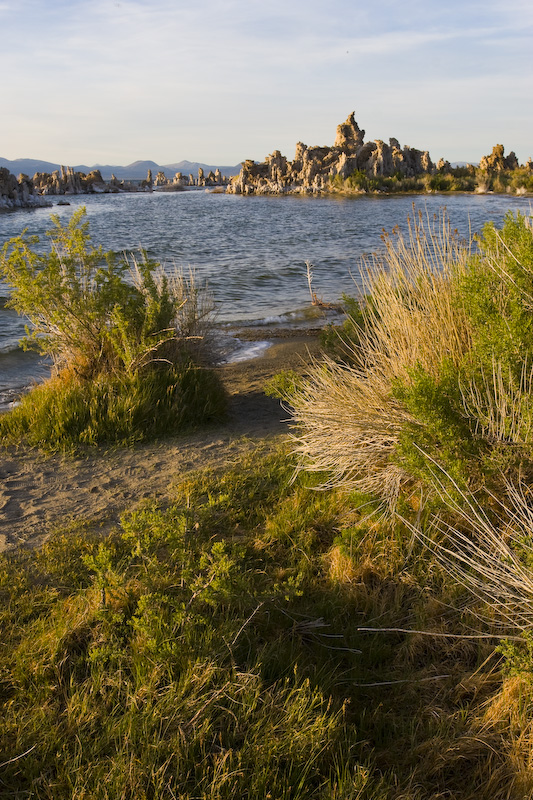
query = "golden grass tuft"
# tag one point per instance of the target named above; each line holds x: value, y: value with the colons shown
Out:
x: 508, y: 712
x: 347, y: 420
x: 340, y: 567
x: 500, y: 405
x: 413, y: 318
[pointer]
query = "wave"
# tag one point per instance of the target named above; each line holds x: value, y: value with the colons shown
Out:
x: 10, y: 397
x: 10, y: 347
x: 305, y: 317
x: 245, y: 351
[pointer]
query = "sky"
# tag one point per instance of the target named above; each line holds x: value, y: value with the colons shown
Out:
x: 218, y: 81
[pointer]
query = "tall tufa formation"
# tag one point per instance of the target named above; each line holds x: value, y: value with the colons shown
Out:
x: 17, y: 192
x: 349, y: 136
x: 66, y: 181
x: 497, y: 161
x: 314, y: 167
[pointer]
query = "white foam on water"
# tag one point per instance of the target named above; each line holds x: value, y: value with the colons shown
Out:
x: 245, y: 351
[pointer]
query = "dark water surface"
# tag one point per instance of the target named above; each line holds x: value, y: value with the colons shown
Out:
x: 251, y: 250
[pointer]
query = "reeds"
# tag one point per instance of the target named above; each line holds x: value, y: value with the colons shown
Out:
x: 499, y: 405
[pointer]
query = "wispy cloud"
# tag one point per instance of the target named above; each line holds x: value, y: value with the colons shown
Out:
x: 156, y: 78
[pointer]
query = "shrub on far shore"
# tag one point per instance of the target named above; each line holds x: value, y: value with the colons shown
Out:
x: 450, y: 179
x: 128, y: 343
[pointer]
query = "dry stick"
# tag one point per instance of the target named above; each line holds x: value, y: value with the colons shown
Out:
x: 501, y: 579
x: 243, y: 626
x: 404, y: 680
x: 16, y: 758
x: 442, y: 635
x: 310, y: 279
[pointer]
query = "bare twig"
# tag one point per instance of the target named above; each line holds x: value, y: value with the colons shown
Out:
x: 16, y: 758
x: 437, y: 633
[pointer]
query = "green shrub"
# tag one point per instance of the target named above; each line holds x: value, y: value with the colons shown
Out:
x: 123, y: 337
x: 497, y: 294
x: 522, y: 179
x: 445, y: 369
x: 283, y: 384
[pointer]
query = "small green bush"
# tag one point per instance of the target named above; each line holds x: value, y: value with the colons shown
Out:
x: 283, y: 384
x: 522, y: 179
x: 497, y: 293
x: 125, y: 340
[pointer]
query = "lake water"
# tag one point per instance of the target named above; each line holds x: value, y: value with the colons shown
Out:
x: 251, y: 250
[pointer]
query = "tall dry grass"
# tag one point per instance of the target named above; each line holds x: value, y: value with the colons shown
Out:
x: 488, y: 550
x: 500, y: 404
x: 191, y: 327
x: 347, y: 419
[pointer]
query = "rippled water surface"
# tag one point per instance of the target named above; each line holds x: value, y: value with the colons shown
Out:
x: 251, y: 250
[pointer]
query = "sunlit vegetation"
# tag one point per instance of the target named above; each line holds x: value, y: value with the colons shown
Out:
x: 347, y: 615
x: 219, y: 648
x: 128, y: 343
x: 449, y: 179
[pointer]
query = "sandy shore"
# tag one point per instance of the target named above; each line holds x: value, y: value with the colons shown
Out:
x: 39, y: 494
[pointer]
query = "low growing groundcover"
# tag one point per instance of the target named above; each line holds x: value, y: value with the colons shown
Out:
x: 214, y: 648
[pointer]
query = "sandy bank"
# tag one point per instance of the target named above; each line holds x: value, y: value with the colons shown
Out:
x: 38, y: 494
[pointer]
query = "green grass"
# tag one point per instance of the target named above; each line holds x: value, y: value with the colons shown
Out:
x: 210, y: 649
x: 65, y: 412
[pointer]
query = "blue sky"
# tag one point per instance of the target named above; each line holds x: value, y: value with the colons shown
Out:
x: 218, y: 81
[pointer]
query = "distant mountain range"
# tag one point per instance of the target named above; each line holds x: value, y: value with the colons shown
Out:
x: 132, y: 172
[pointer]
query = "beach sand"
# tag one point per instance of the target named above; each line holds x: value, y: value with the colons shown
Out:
x: 40, y: 494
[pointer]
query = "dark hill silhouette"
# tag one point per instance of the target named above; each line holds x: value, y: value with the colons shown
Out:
x: 135, y: 171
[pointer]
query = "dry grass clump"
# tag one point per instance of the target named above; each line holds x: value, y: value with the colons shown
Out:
x: 489, y: 552
x: 499, y: 404
x: 191, y: 326
x: 412, y: 318
x: 510, y: 710
x: 348, y: 426
x: 348, y: 419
